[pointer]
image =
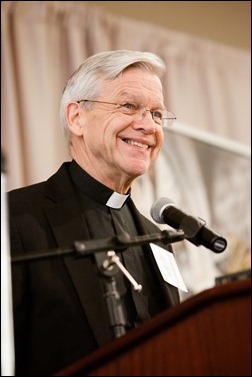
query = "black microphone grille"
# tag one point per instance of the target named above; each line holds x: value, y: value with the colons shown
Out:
x: 157, y: 209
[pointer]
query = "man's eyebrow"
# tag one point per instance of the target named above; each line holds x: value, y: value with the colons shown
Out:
x: 132, y: 96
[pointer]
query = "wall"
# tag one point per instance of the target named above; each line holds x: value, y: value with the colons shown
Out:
x: 228, y: 22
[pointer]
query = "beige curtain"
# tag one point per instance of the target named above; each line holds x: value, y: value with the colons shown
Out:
x: 207, y: 86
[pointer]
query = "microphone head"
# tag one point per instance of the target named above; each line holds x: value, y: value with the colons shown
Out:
x: 158, y: 207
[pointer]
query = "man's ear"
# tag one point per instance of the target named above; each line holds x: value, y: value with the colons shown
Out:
x: 74, y: 117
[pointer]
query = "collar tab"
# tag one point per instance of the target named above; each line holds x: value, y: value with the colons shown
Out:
x: 116, y: 200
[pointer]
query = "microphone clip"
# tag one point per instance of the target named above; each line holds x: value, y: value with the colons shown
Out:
x: 191, y: 227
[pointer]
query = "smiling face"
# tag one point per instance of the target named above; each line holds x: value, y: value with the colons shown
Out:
x: 111, y: 146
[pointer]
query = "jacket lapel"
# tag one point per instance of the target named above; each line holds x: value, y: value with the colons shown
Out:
x: 68, y: 225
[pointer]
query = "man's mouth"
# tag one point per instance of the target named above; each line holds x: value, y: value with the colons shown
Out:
x: 136, y: 143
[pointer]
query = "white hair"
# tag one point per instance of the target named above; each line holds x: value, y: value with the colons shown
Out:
x: 86, y: 81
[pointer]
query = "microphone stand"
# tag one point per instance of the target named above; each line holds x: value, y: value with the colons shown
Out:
x: 110, y: 266
x: 113, y: 299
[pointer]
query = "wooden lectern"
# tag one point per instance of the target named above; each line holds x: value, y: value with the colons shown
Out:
x: 208, y: 334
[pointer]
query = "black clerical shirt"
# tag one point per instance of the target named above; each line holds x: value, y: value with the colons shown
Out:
x: 104, y: 221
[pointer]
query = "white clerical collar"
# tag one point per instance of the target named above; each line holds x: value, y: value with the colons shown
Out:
x: 116, y: 200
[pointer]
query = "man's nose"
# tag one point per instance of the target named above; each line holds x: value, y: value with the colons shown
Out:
x: 147, y: 122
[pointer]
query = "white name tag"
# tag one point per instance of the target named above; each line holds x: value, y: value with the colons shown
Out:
x: 168, y: 267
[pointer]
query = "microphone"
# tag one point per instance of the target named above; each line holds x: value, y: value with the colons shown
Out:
x: 163, y: 211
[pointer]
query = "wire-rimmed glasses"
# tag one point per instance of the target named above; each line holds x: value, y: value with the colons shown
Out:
x: 162, y: 117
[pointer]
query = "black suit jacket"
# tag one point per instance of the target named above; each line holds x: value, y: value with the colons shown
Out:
x: 59, y: 310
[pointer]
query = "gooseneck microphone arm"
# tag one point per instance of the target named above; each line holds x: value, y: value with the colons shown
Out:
x: 120, y: 242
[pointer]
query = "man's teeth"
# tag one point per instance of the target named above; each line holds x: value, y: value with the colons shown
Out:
x: 131, y: 142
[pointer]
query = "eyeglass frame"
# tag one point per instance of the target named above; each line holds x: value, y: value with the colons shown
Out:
x: 138, y: 108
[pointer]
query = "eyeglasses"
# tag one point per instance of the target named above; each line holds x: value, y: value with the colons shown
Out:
x: 162, y: 117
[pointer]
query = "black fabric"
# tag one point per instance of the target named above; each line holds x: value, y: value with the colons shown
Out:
x: 89, y: 186
x: 105, y: 222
